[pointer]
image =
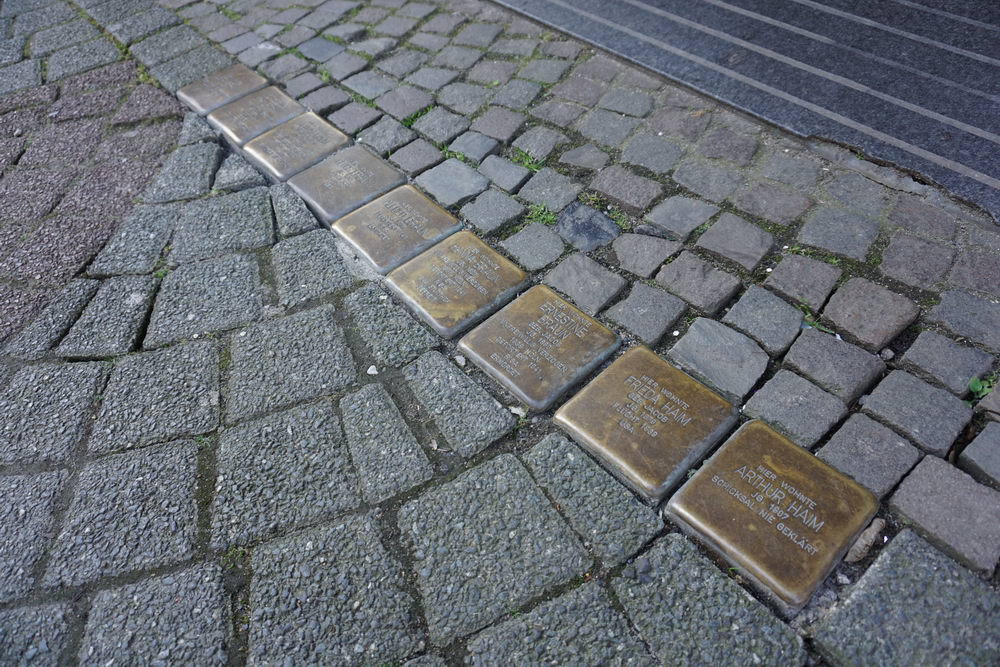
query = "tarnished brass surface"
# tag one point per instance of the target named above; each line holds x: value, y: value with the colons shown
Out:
x: 774, y: 510
x: 648, y: 421
x: 456, y: 283
x: 396, y: 227
x: 344, y: 181
x: 254, y: 114
x: 539, y: 346
x: 294, y: 145
x: 222, y: 87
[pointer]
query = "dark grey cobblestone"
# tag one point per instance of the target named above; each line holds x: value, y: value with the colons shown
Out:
x: 34, y: 635
x: 588, y: 156
x: 416, y: 157
x: 474, y: 146
x: 915, y: 261
x: 36, y: 339
x: 27, y: 515
x: 698, y: 282
x: 186, y: 174
x: 969, y: 316
x: 309, y: 267
x: 981, y: 457
x: 641, y: 254
x: 452, y: 183
x: 796, y: 407
x: 386, y: 135
x: 842, y: 369
x: 111, y: 323
x: 679, y: 216
x: 440, y: 125
x: 766, y: 318
x: 492, y: 210
x: 539, y: 142
x: 942, y: 360
x: 236, y: 174
x: 720, y: 356
x: 550, y: 189
x: 736, y: 239
x: 712, y: 182
x: 627, y: 188
x: 647, y: 312
x: 840, y: 232
x: 189, y: 67
x: 291, y: 213
x: 392, y: 335
x: 870, y: 453
x: 586, y: 228
x: 804, y: 280
x: 223, y: 224
x: 136, y: 246
x: 195, y: 129
x: 80, y: 58
x: 869, y: 313
x: 534, y: 247
x: 587, y: 283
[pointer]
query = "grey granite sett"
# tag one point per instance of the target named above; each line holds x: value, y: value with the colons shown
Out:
x: 969, y: 316
x: 647, y: 312
x: 944, y: 361
x: 698, y: 282
x: 929, y: 416
x: 440, y: 125
x: 138, y: 243
x: 981, y: 457
x: 80, y: 58
x: 189, y: 67
x: 842, y: 369
x: 609, y: 518
x: 25, y: 74
x: 478, y: 34
x: 710, y: 616
x: 916, y: 215
x: 577, y: 628
x: 402, y: 62
x: 290, y: 212
x: 287, y: 360
x: 910, y: 588
x: 392, y: 335
x: 186, y: 174
x: 726, y: 144
x: 798, y: 170
x: 386, y: 136
x: 36, y: 635
x: 840, y: 232
x: 242, y: 42
x: 539, y: 142
x: 772, y: 202
x: 550, y: 189
x: 580, y: 90
x: 464, y: 98
x: 444, y: 23
x: 586, y: 282
x: 627, y: 188
x: 27, y: 519
x: 308, y: 267
x: 736, y: 239
x: 236, y: 173
x: 205, y: 297
x: 652, y: 152
x: 484, y: 543
x: 432, y: 78
x: 766, y: 318
x: 395, y: 26
x: 713, y: 182
x: 558, y: 113
x: 331, y: 594
x: 457, y: 57
x: 417, y: 10
x: 627, y: 101
x: 870, y: 453
x: 517, y: 94
x: 544, y: 70
x: 586, y: 228
x: 182, y: 617
x: 387, y: 456
x: 404, y: 101
x: 606, y: 128
x: 804, y: 280
x: 320, y: 49
x: 284, y: 68
x: 869, y: 313
x: 641, y: 254
x: 492, y: 72
x: 131, y: 511
x: 722, y: 357
x: 325, y: 100
x: 858, y: 193
x: 286, y: 470
x: 474, y: 146
x: 465, y: 413
x: 263, y: 51
x: 915, y: 261
x: 36, y: 339
x: 953, y: 511
x: 492, y: 210
x: 679, y: 216
x: 416, y: 157
x: 370, y: 84
x: 452, y: 182
x: 432, y: 43
x: 796, y: 407
x: 499, y: 123
x: 111, y: 323
x: 534, y: 247
x: 977, y: 269
x: 344, y: 65
x: 156, y: 396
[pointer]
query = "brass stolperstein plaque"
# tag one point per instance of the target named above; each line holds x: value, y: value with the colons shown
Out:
x: 344, y: 181
x: 539, y: 346
x: 774, y: 510
x: 396, y: 227
x: 222, y: 87
x: 648, y: 421
x: 254, y: 114
x: 456, y: 283
x: 292, y: 146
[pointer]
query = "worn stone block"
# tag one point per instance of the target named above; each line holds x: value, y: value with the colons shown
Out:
x: 111, y: 323
x: 308, y: 267
x: 550, y: 189
x: 679, y: 216
x: 647, y: 312
x: 392, y: 335
x: 27, y: 519
x: 710, y: 181
x: 981, y: 457
x: 914, y: 261
x: 796, y: 407
x: 504, y: 173
x: 492, y: 210
x: 416, y: 157
x: 642, y: 255
x: 534, y: 247
x: 586, y: 228
x: 52, y: 323
x: 839, y: 232
x: 627, y: 188
x: 869, y: 313
x: 586, y: 282
x: 474, y: 146
x: 969, y: 316
x: 804, y: 280
x: 942, y: 360
x: 842, y: 369
x: 40, y: 633
x: 698, y: 282
x: 766, y: 318
x: 722, y: 357
x: 738, y: 240
x: 452, y: 183
x: 186, y: 174
x: 870, y: 454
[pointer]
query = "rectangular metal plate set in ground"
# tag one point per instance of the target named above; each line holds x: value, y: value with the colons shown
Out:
x: 771, y: 508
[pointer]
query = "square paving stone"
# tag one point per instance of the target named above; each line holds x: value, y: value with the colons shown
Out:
x: 440, y: 125
x: 40, y: 634
x: 392, y: 335
x: 942, y: 360
x: 909, y: 588
x: 186, y: 174
x: 842, y: 369
x: 642, y: 255
x: 27, y: 519
x: 25, y: 74
x: 416, y: 157
x: 698, y: 282
x: 550, y: 189
x: 646, y: 421
x: 916, y: 215
x: 308, y: 267
x: 586, y: 228
x: 386, y: 135
x: 205, y: 297
x: 579, y: 627
x: 914, y: 261
x: 457, y: 57
x: 704, y: 607
x: 189, y: 67
x: 402, y: 62
x: 858, y: 193
x: 712, y: 182
x: 627, y: 188
x: 300, y: 592
x: 981, y: 457
x: 976, y: 269
x: 588, y: 156
x: 766, y: 318
x: 929, y: 416
x: 131, y: 511
x: 36, y: 339
x: 456, y: 283
x: 221, y: 87
x: 111, y: 323
x: 647, y: 312
x: 779, y: 514
x: 452, y: 182
x: 501, y: 124
x: 287, y: 360
x: 804, y: 280
x: 796, y: 407
x: 721, y: 357
x: 254, y: 114
x: 183, y: 616
x: 285, y: 470
x: 165, y: 45
x: 478, y: 34
x: 344, y: 181
x: 474, y: 146
x: 534, y: 247
x: 952, y: 511
x: 387, y: 456
x: 432, y: 78
x: 869, y: 313
x: 467, y: 416
x: 159, y: 395
x: 325, y: 100
x: 840, y: 232
x: 45, y: 409
x: 492, y: 210
x: 726, y: 144
x: 652, y: 152
x: 404, y: 101
x: 396, y: 227
x: 539, y: 142
x: 586, y: 282
x: 870, y: 454
x: 517, y: 94
x: 679, y: 216
x: 772, y: 202
x: 969, y: 316
x: 626, y: 101
x: 738, y: 240
x: 294, y: 145
x: 484, y: 543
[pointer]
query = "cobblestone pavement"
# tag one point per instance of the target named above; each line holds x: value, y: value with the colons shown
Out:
x: 222, y: 440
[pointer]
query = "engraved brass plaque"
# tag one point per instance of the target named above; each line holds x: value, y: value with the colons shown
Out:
x: 775, y: 510
x: 647, y: 421
x: 254, y: 114
x: 456, y: 283
x: 344, y: 181
x: 222, y: 87
x: 396, y: 227
x: 292, y: 146
x: 539, y: 346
